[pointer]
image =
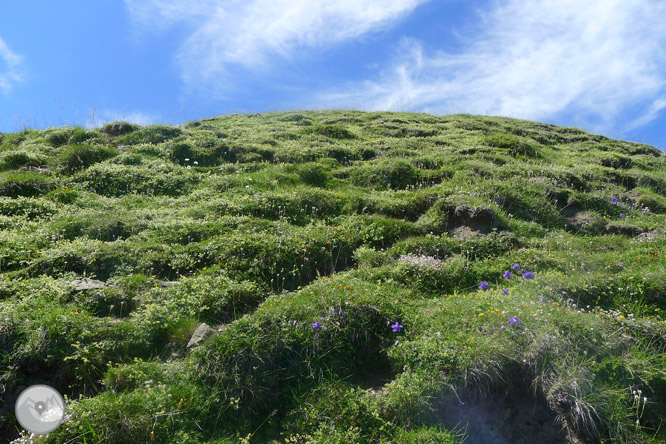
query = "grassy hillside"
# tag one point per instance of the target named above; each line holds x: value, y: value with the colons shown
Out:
x: 367, y: 277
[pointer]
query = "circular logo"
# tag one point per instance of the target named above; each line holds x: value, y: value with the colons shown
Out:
x: 40, y: 409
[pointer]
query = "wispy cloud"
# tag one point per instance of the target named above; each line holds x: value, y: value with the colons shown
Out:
x: 141, y: 118
x: 250, y: 33
x: 10, y: 74
x: 535, y: 59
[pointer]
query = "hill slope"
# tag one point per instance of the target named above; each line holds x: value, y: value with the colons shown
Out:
x: 367, y: 277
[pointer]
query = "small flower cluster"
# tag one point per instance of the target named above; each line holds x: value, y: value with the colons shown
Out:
x: 527, y: 275
x: 648, y: 236
x: 421, y: 261
x: 629, y: 207
x: 638, y: 403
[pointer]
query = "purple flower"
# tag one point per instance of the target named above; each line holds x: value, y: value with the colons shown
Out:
x: 515, y: 267
x: 507, y: 275
x: 404, y: 369
x: 621, y: 214
x: 528, y: 275
x: 552, y: 164
x: 171, y: 145
x: 645, y: 210
x: 483, y: 286
x: 619, y: 204
x: 396, y: 327
x: 630, y: 208
x: 505, y: 291
x: 397, y: 342
x: 613, y: 199
x: 543, y: 299
x: 379, y: 152
x: 340, y: 312
x: 316, y: 325
x: 295, y: 323
x: 514, y: 321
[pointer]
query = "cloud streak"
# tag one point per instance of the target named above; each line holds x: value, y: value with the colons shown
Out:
x: 12, y: 73
x: 534, y: 59
x: 226, y: 34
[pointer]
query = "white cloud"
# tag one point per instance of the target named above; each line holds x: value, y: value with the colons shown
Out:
x: 98, y: 119
x: 651, y: 113
x: 228, y: 33
x: 534, y: 59
x: 12, y: 71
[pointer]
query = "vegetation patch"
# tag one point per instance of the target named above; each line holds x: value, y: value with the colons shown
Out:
x: 335, y: 277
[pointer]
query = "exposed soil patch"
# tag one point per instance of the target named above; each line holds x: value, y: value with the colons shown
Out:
x: 586, y: 222
x: 505, y: 419
x: 624, y: 230
x: 465, y: 232
x: 464, y: 221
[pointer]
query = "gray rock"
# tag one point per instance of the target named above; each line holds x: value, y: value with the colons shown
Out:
x: 201, y: 333
x: 88, y: 284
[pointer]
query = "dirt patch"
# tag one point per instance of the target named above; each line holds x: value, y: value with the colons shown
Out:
x: 505, y: 419
x: 465, y: 232
x: 624, y: 230
x: 465, y: 221
x: 585, y: 222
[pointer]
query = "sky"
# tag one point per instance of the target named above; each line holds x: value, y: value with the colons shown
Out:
x: 598, y: 65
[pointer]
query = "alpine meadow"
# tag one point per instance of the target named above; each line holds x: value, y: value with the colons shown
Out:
x: 334, y: 277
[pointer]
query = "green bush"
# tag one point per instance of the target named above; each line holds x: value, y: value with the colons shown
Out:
x: 26, y: 183
x: 150, y: 134
x: 78, y: 157
x: 517, y: 146
x: 118, y: 128
x: 616, y: 161
x: 17, y: 159
x: 204, y: 156
x: 258, y: 363
x: 69, y: 135
x: 29, y: 207
x: 393, y: 174
x: 313, y: 174
x: 336, y: 132
x: 151, y: 178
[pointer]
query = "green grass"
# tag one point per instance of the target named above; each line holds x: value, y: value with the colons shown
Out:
x: 269, y: 223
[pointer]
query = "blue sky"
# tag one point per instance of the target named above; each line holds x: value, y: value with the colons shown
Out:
x: 599, y: 65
